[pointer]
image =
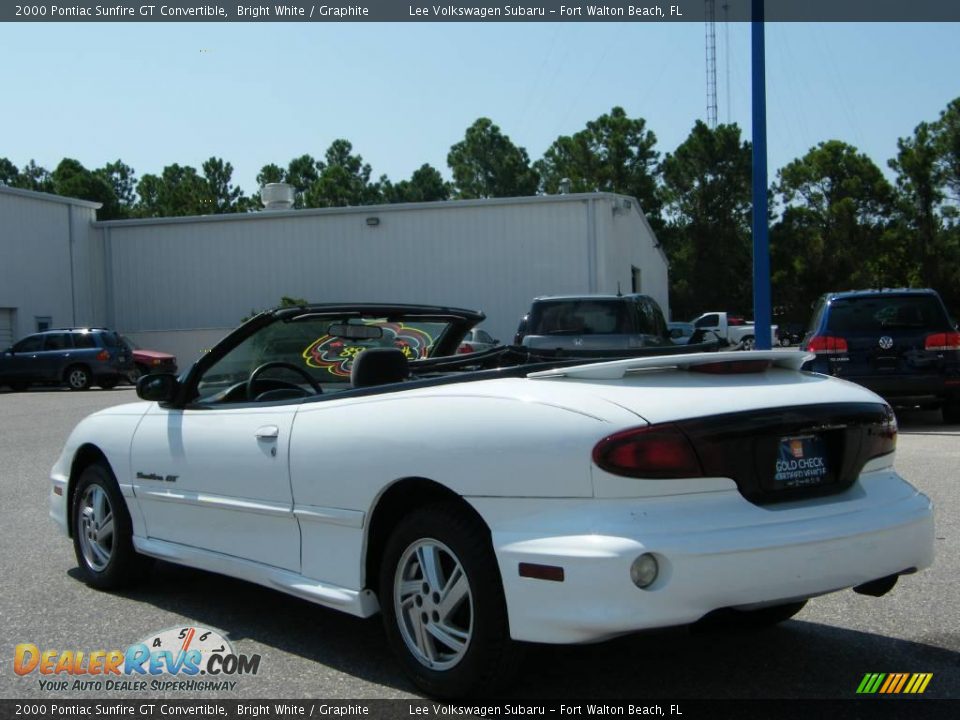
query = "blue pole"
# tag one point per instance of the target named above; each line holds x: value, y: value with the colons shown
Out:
x: 761, y: 240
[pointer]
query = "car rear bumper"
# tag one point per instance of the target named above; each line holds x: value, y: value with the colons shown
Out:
x: 909, y: 387
x: 714, y: 550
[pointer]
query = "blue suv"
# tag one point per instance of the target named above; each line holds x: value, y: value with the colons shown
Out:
x: 901, y: 344
x: 78, y: 357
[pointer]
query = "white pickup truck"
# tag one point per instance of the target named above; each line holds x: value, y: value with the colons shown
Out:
x: 739, y: 335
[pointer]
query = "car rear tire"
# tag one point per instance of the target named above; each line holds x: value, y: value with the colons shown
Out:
x: 748, y: 343
x: 443, y: 606
x: 103, y: 532
x: 78, y: 377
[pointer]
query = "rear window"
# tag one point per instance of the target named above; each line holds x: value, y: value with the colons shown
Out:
x: 110, y: 339
x: 579, y: 317
x: 877, y: 313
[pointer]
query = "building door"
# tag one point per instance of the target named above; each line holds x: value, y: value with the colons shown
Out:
x: 6, y: 328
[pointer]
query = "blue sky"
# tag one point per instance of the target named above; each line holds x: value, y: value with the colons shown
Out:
x: 154, y: 94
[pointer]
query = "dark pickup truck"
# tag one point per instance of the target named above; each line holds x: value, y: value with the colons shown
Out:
x: 598, y: 326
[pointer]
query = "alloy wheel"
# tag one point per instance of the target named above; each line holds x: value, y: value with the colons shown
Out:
x: 433, y: 604
x: 96, y: 529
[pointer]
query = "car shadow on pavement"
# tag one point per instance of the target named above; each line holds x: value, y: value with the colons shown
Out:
x: 912, y: 421
x: 798, y: 659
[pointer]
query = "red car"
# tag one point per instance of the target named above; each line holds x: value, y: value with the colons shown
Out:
x: 149, y: 361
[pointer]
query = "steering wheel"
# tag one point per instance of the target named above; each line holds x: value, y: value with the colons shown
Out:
x: 251, y: 382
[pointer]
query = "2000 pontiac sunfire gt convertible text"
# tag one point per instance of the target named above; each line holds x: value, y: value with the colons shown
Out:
x: 335, y: 453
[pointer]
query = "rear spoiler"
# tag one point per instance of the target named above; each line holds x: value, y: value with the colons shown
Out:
x: 618, y: 368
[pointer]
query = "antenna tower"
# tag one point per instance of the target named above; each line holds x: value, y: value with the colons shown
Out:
x: 711, y: 43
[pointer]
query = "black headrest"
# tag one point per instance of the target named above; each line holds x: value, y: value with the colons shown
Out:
x: 379, y: 366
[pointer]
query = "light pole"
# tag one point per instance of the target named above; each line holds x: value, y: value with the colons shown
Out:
x: 761, y: 237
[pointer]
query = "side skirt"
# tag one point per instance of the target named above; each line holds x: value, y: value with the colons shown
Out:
x: 362, y: 603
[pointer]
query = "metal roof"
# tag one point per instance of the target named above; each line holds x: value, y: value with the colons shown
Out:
x: 369, y: 209
x: 49, y: 197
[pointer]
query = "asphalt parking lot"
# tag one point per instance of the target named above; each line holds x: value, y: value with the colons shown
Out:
x: 308, y: 651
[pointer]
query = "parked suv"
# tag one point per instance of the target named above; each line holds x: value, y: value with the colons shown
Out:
x: 78, y: 357
x: 899, y: 343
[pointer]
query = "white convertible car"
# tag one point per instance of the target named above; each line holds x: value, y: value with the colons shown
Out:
x: 331, y: 452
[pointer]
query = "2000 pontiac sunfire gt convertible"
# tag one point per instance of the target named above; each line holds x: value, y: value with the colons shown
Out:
x: 335, y: 453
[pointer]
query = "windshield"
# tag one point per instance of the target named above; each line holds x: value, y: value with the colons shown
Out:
x: 308, y: 345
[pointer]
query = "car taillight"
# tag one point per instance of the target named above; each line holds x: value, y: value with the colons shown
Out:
x: 657, y: 451
x: 103, y: 356
x: 881, y: 437
x: 465, y: 348
x: 943, y: 341
x: 827, y: 344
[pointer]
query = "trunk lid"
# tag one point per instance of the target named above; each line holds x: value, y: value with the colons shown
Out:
x: 768, y: 430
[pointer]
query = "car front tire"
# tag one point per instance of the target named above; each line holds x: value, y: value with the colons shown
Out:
x: 103, y: 532
x: 78, y: 378
x: 443, y: 606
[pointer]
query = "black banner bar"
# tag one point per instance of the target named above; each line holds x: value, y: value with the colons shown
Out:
x: 142, y: 709
x: 483, y: 11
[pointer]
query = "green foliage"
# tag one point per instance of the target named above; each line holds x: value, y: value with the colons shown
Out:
x: 223, y: 196
x: 947, y: 139
x: 31, y: 177
x: 122, y: 179
x: 833, y: 231
x: 487, y: 164
x: 180, y: 190
x: 425, y: 185
x: 177, y: 192
x: 72, y: 179
x: 706, y: 194
x: 613, y: 153
x: 344, y: 180
x: 8, y: 172
x: 339, y: 180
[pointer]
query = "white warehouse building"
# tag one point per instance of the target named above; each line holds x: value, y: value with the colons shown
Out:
x: 179, y: 284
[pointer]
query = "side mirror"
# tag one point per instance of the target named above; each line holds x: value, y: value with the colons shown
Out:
x: 161, y: 387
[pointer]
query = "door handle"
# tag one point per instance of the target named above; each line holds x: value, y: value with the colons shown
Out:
x: 268, y: 432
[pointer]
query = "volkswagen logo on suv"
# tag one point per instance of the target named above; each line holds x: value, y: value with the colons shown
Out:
x: 886, y: 342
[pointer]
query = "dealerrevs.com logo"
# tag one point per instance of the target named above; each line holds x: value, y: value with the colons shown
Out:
x: 190, y: 659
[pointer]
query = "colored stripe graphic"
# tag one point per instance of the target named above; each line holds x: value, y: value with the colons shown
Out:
x: 903, y: 679
x: 894, y: 683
